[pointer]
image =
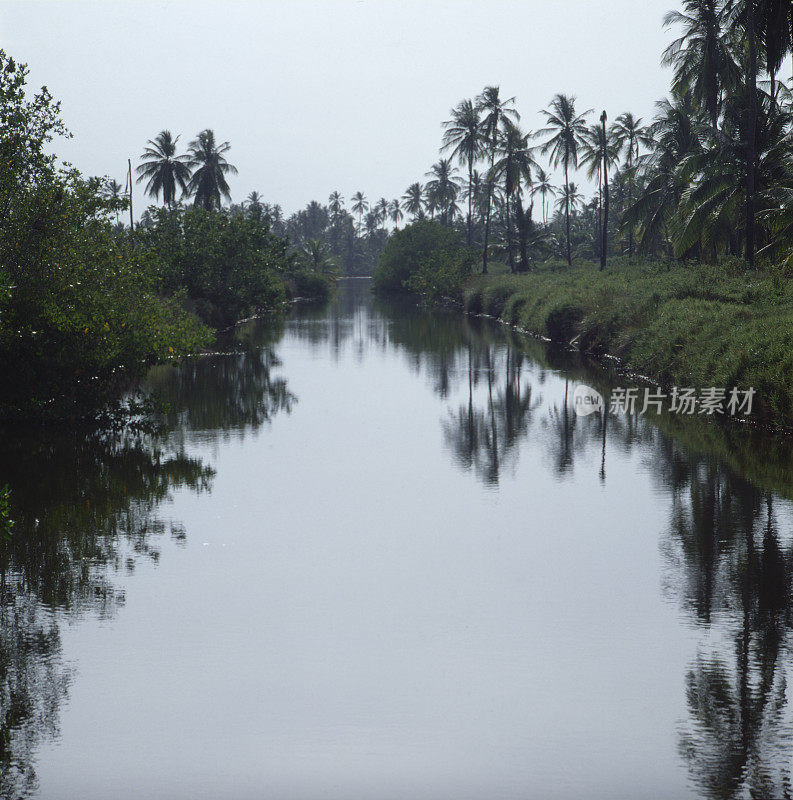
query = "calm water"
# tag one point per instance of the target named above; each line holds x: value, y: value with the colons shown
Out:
x: 375, y: 556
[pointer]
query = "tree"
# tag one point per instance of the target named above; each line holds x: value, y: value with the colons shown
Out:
x: 701, y: 57
x: 382, y: 210
x: 163, y: 169
x: 514, y: 167
x: 255, y: 208
x: 443, y: 187
x: 463, y: 136
x: 544, y: 188
x: 335, y: 203
x: 359, y: 206
x: 599, y: 149
x: 568, y: 129
x: 630, y: 135
x: 208, y: 161
x: 493, y: 110
x: 413, y: 200
x: 395, y: 212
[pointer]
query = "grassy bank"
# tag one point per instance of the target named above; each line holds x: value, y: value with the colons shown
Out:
x: 684, y: 324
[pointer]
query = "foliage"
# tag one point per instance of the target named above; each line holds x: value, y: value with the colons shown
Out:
x: 79, y: 313
x: 687, y: 325
x: 423, y: 257
x: 6, y: 523
x: 228, y: 265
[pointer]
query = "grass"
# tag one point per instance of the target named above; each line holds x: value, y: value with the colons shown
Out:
x: 681, y: 324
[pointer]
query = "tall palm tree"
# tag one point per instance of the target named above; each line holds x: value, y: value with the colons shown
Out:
x: 443, y: 187
x: 163, y: 169
x: 382, y: 210
x: 514, y: 167
x: 544, y: 188
x: 630, y: 135
x: 335, y: 203
x: 112, y: 190
x: 395, y: 212
x: 568, y: 129
x: 656, y: 211
x: 463, y: 136
x: 255, y: 207
x: 599, y: 151
x: 413, y: 200
x: 359, y: 206
x: 570, y: 200
x: 701, y: 56
x: 493, y: 111
x: 775, y: 33
x: 208, y: 161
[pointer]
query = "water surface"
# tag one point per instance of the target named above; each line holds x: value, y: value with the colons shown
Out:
x: 374, y: 554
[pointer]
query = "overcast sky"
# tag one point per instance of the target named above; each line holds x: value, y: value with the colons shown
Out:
x: 317, y: 96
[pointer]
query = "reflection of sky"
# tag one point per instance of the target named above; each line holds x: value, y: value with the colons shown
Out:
x: 354, y: 615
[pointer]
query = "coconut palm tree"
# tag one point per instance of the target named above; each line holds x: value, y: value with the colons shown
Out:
x: 463, y: 136
x: 254, y: 205
x: 599, y: 151
x: 208, y: 161
x: 544, y: 188
x: 775, y: 32
x: 112, y: 190
x: 656, y: 211
x: 514, y: 168
x: 395, y: 213
x: 413, y: 200
x: 382, y: 210
x: 163, y: 169
x: 359, y: 206
x: 630, y: 136
x: 335, y: 203
x: 493, y: 111
x: 568, y: 129
x: 443, y: 187
x: 701, y: 56
x: 570, y: 199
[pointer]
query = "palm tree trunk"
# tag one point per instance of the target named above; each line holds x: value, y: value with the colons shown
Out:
x: 751, y: 144
x: 487, y: 217
x: 600, y: 209
x: 470, y: 193
x: 510, y: 257
x: 630, y: 198
x: 605, y: 231
x: 567, y: 211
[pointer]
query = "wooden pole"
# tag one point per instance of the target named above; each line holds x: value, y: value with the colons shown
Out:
x: 131, y: 220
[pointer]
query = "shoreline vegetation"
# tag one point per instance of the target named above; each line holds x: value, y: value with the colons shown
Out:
x: 88, y: 304
x: 680, y: 264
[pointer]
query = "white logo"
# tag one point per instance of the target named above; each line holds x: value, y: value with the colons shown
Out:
x: 586, y: 400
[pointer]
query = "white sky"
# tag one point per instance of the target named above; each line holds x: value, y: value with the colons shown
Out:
x: 317, y: 96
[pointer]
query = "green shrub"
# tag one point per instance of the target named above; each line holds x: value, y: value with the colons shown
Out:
x: 431, y: 251
x: 230, y: 265
x: 307, y: 283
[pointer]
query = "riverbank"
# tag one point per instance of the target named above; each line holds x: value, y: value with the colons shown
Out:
x: 680, y: 325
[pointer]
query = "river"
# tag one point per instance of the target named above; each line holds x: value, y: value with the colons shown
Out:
x: 373, y: 553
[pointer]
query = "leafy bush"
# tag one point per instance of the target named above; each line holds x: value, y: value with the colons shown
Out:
x: 229, y: 265
x: 429, y: 251
x: 307, y: 283
x: 79, y: 314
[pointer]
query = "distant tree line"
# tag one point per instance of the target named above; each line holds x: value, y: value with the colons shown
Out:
x: 710, y: 177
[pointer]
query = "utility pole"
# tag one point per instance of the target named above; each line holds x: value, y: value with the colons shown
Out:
x: 129, y: 178
x: 605, y: 232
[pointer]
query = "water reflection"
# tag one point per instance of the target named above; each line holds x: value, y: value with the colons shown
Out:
x: 729, y: 564
x: 89, y: 508
x: 86, y: 506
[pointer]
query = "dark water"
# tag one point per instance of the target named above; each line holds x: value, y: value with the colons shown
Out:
x: 375, y: 555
